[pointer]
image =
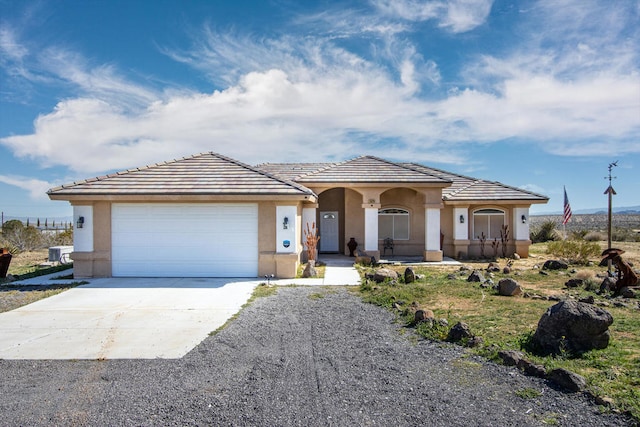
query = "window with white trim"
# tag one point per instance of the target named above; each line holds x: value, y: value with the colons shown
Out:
x: 489, y: 222
x: 393, y: 223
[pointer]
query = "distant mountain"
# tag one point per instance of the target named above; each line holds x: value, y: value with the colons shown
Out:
x: 623, y: 210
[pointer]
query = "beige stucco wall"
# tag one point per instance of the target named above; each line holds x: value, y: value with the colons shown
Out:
x: 348, y: 202
x: 473, y: 248
x: 281, y: 265
x: 413, y: 202
x: 354, y: 220
x: 98, y: 262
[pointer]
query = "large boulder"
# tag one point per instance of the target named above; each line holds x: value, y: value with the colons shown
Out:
x: 409, y: 275
x: 574, y: 283
x: 424, y: 315
x: 509, y: 287
x: 475, y: 276
x: 608, y: 284
x: 554, y: 264
x: 384, y: 274
x: 574, y: 327
x: 458, y: 332
x: 493, y: 267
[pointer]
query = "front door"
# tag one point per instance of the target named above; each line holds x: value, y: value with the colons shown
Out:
x: 329, y: 231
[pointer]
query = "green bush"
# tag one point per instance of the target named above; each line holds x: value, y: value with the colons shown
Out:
x: 574, y: 251
x: 545, y: 232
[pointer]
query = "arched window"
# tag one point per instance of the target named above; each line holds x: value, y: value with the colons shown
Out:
x: 489, y: 222
x: 393, y: 223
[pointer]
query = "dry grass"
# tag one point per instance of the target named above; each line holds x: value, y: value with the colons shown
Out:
x: 27, y: 262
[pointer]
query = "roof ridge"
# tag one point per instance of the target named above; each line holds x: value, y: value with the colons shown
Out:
x: 464, y: 187
x: 518, y: 189
x: 445, y: 172
x: 329, y: 166
x: 411, y: 168
x: 268, y: 175
x: 379, y: 159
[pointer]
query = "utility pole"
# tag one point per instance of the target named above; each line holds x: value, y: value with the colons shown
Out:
x: 611, y: 192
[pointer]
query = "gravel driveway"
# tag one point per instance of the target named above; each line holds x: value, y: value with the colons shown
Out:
x: 307, y: 356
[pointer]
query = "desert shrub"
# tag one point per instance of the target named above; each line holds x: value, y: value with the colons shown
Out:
x: 588, y: 279
x: 19, y: 238
x: 59, y: 238
x: 578, y: 234
x: 594, y: 236
x: 544, y: 232
x: 585, y: 274
x: 575, y: 251
x: 624, y: 235
x: 591, y: 285
x: 11, y: 226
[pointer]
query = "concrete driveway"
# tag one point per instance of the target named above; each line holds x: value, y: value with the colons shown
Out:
x: 117, y: 318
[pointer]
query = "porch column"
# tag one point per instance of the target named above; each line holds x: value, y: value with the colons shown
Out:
x: 371, y: 229
x: 287, y: 253
x: 308, y: 218
x: 461, y: 232
x: 520, y: 231
x: 432, y: 250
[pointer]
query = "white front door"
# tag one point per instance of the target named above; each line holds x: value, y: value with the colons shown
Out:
x: 329, y: 231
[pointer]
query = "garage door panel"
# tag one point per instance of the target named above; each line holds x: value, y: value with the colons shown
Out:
x: 186, y: 240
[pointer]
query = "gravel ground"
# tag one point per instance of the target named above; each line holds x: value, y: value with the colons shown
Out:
x: 306, y: 356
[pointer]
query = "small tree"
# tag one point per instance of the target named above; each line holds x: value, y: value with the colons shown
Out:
x: 483, y: 239
x: 311, y: 239
x: 495, y: 245
x: 504, y: 238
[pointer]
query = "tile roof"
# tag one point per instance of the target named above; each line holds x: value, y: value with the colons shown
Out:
x: 292, y: 170
x: 213, y: 174
x: 369, y: 169
x: 201, y: 174
x: 467, y: 188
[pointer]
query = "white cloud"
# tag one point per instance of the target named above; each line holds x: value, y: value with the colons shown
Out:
x: 293, y: 99
x: 36, y: 188
x: 59, y: 66
x: 458, y: 16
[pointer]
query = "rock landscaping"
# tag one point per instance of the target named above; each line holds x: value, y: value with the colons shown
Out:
x: 573, y: 327
x: 350, y: 365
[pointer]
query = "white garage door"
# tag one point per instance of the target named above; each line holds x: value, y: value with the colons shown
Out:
x: 184, y: 240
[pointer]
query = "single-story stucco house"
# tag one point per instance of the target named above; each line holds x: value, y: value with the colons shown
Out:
x: 212, y: 216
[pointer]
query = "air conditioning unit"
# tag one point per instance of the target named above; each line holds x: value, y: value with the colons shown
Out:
x: 56, y: 252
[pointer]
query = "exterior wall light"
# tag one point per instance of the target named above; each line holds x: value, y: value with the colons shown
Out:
x: 80, y: 222
x: 524, y: 219
x: 285, y: 223
x: 461, y: 219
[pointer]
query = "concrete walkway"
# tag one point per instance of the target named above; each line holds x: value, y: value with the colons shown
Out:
x: 135, y: 318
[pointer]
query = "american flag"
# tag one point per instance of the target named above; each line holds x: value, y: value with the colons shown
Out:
x: 567, y: 209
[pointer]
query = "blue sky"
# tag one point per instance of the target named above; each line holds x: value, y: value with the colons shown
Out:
x: 535, y: 94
